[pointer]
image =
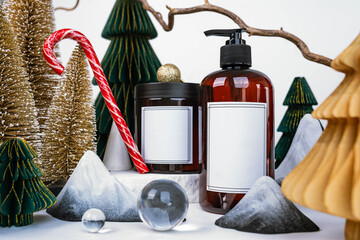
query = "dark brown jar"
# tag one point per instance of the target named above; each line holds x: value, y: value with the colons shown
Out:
x: 167, y: 126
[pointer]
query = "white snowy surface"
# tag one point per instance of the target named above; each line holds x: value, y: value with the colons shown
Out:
x: 92, y: 186
x: 199, y: 225
x: 136, y: 182
x: 116, y: 156
x: 307, y: 134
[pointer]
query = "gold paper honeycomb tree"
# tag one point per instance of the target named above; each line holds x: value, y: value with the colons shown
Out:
x: 328, y: 179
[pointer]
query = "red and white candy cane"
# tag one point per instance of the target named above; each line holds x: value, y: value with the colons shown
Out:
x: 102, y: 82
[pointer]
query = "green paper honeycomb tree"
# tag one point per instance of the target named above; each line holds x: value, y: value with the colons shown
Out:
x: 21, y: 190
x: 300, y: 100
x: 129, y: 60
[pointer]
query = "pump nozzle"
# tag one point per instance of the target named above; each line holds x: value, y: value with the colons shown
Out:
x: 235, y: 52
x: 233, y: 34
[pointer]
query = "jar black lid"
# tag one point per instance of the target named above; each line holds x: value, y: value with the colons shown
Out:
x: 167, y: 90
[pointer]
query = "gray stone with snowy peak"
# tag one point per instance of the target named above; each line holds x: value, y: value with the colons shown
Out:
x: 264, y: 209
x: 307, y: 134
x: 92, y: 186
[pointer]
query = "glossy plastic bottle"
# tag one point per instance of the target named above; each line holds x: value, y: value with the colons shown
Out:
x: 238, y: 126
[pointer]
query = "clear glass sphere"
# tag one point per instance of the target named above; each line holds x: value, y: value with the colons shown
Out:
x: 93, y: 220
x: 162, y: 204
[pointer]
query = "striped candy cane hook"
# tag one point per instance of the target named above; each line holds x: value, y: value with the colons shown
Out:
x: 49, y: 56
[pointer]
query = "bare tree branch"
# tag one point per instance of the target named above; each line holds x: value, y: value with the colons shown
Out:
x: 207, y: 7
x: 68, y: 9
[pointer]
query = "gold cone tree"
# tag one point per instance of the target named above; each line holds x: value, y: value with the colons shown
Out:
x: 33, y: 22
x: 70, y: 129
x: 328, y: 179
x: 17, y: 107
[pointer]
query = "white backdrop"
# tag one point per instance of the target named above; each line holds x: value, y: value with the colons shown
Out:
x: 326, y: 26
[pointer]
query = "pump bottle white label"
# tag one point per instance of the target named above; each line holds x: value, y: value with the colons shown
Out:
x: 236, y: 145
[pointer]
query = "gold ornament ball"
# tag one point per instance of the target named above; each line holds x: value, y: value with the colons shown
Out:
x: 168, y: 73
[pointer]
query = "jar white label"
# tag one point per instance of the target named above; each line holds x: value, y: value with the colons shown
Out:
x: 166, y: 134
x: 236, y: 145
x: 200, y: 135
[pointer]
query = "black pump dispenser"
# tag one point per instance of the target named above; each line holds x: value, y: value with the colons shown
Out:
x: 235, y: 52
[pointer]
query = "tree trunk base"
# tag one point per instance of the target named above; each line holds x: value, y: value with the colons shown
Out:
x: 352, y: 230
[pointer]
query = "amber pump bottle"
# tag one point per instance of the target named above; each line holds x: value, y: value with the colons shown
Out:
x: 238, y: 126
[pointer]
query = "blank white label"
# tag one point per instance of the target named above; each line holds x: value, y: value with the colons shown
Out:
x: 236, y: 145
x: 166, y: 134
x: 200, y: 135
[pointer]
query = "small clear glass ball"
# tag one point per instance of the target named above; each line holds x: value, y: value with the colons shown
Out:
x: 93, y: 220
x: 162, y: 204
